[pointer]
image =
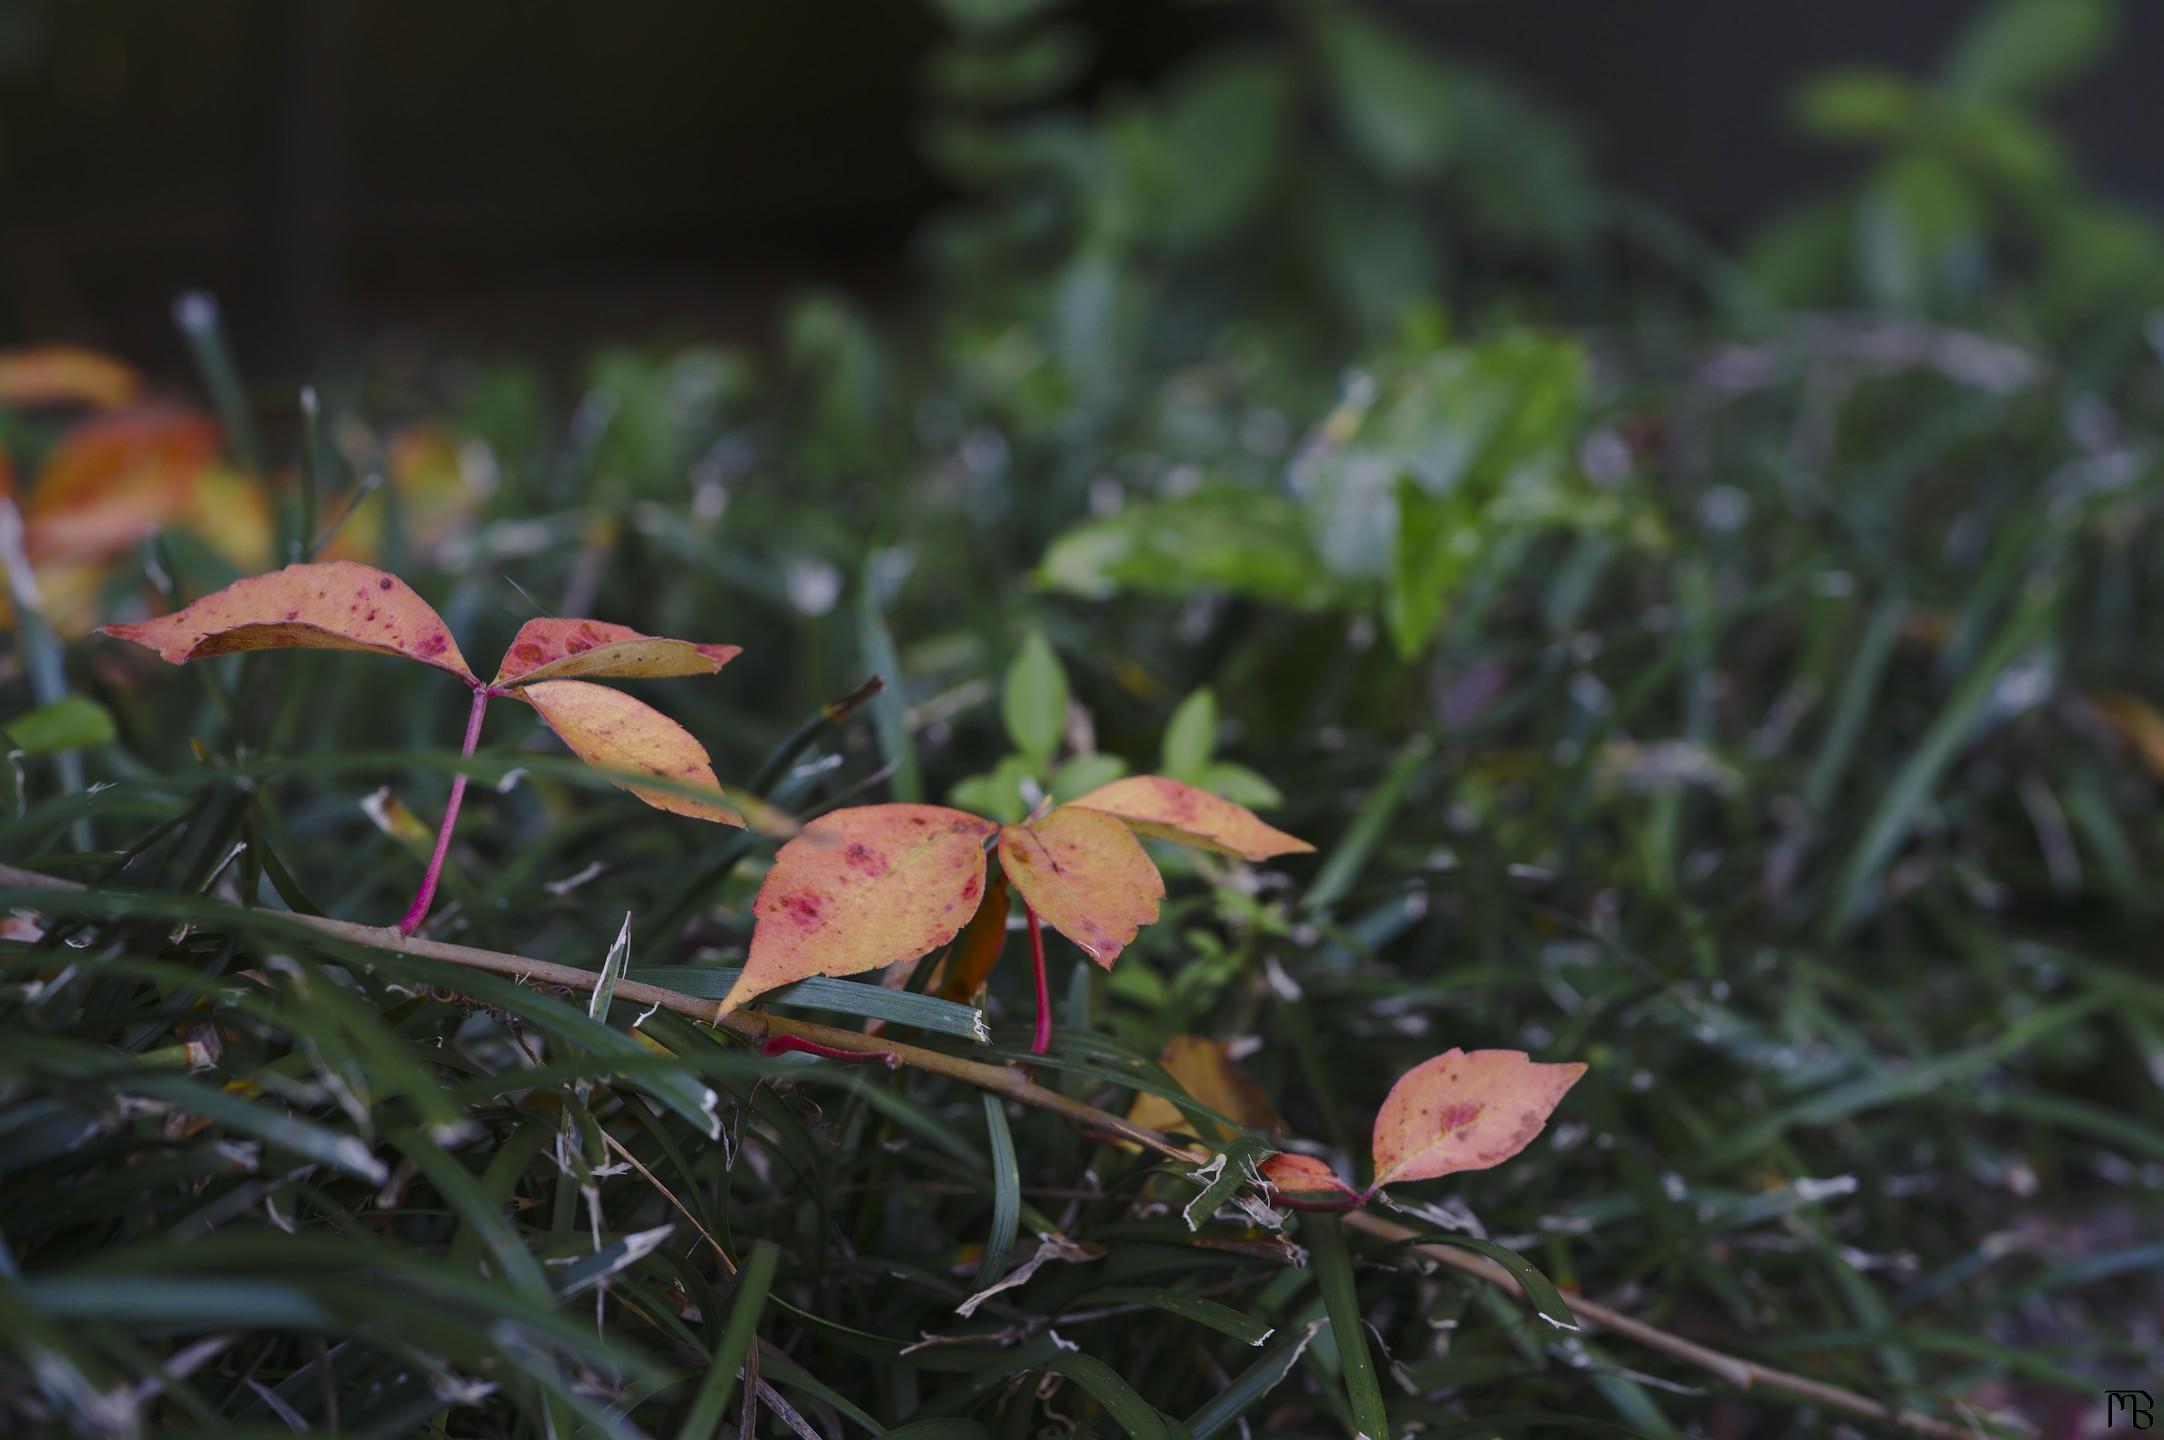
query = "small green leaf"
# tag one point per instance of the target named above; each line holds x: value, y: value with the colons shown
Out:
x: 1084, y: 773
x: 997, y: 794
x: 2017, y: 49
x: 73, y: 723
x: 1191, y: 737
x: 1034, y: 703
x: 1250, y: 542
x: 1241, y: 786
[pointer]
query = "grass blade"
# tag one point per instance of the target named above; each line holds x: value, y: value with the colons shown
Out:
x: 1341, y: 1302
x: 712, y: 1402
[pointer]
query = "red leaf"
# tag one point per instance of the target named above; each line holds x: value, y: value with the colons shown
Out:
x: 860, y: 889
x: 335, y: 606
x: 610, y: 730
x: 558, y: 649
x: 1167, y: 810
x: 1464, y: 1111
x: 1304, y: 1176
x: 1086, y: 876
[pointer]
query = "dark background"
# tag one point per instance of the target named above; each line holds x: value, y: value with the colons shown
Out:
x: 545, y: 174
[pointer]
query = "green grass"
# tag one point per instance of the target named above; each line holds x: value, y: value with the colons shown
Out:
x: 1754, y: 758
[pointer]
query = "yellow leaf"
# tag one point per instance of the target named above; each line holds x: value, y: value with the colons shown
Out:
x: 1167, y: 810
x: 65, y: 375
x: 336, y: 606
x: 557, y: 649
x: 1465, y: 1111
x: 1212, y: 1078
x: 230, y: 510
x: 610, y: 730
x: 1086, y: 876
x: 438, y: 494
x: 860, y: 889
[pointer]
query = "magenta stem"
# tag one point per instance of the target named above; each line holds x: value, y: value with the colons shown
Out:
x: 797, y: 1044
x: 1041, y: 1039
x: 426, y: 895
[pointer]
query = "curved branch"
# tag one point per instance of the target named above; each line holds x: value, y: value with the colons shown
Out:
x: 762, y: 1029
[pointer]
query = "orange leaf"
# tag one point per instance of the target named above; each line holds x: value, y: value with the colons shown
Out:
x: 65, y: 375
x: 1303, y: 1175
x: 556, y: 649
x: 1167, y: 810
x: 1464, y: 1111
x: 1212, y: 1078
x: 1086, y: 876
x: 336, y: 606
x: 2138, y: 724
x: 965, y: 969
x: 113, y: 481
x: 863, y: 888
x: 610, y: 730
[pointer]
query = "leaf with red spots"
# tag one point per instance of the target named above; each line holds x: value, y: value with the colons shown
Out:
x: 1465, y: 1111
x: 1303, y: 1177
x: 860, y: 889
x: 1086, y: 876
x: 611, y: 731
x: 334, y: 606
x: 1167, y: 810
x: 560, y: 649
x: 65, y: 375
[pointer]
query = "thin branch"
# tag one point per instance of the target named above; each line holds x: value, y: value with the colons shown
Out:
x: 760, y: 1028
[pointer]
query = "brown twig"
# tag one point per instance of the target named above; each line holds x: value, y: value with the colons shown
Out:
x: 761, y: 1028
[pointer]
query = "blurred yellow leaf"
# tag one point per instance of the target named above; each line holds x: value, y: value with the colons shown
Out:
x: 2138, y: 724
x: 1209, y: 1074
x: 43, y: 375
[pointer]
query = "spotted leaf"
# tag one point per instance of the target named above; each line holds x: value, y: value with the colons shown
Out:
x: 1086, y: 876
x: 559, y: 649
x: 1167, y: 810
x: 1465, y: 1111
x: 336, y: 606
x: 860, y: 889
x: 612, y: 731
